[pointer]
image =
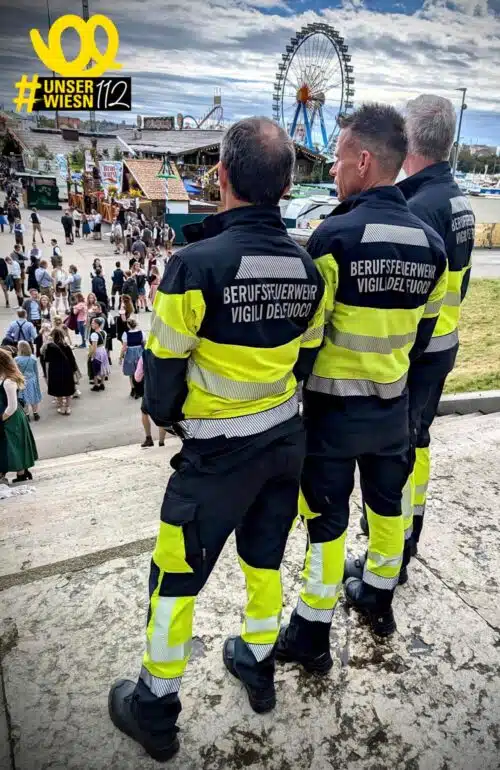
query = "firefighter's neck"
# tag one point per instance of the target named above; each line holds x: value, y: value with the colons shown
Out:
x: 382, y: 181
x: 413, y: 164
x: 230, y: 201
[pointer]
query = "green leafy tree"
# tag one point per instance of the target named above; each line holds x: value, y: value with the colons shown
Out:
x: 42, y: 151
x: 77, y: 159
x: 117, y: 153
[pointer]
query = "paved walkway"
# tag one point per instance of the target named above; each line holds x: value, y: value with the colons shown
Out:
x: 486, y: 263
x: 73, y: 573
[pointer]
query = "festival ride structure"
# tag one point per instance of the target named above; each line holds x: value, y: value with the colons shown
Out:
x: 314, y: 86
x: 213, y: 119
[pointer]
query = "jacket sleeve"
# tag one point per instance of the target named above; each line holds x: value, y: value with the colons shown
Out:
x: 429, y: 319
x: 178, y: 312
x: 327, y: 265
x: 313, y: 336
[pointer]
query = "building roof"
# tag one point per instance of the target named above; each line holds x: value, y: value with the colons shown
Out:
x: 29, y: 138
x: 145, y: 173
x: 175, y: 142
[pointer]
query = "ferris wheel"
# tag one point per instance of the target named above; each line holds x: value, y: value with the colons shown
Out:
x: 314, y: 85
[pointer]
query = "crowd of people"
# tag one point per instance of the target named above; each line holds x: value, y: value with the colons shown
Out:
x: 127, y: 229
x: 54, y: 316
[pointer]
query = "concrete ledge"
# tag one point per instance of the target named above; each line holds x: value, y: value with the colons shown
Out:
x: 486, y: 402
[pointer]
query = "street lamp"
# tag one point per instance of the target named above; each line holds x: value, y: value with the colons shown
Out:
x: 457, y: 143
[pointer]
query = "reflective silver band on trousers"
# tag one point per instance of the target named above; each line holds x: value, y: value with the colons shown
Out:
x: 158, y: 686
x: 247, y: 425
x: 446, y: 342
x: 377, y: 581
x: 312, y: 614
x: 345, y: 388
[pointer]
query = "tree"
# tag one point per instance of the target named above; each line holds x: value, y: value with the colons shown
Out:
x: 42, y: 151
x: 77, y: 159
x: 44, y: 122
x: 467, y: 162
x: 117, y: 153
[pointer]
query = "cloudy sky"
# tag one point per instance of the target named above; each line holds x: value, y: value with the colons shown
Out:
x: 179, y: 51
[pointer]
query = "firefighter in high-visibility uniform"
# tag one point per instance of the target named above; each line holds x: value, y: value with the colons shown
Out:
x: 238, y: 319
x: 385, y: 273
x: 434, y: 196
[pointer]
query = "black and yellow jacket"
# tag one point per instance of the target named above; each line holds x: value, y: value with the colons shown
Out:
x: 436, y: 199
x: 386, y: 277
x: 238, y: 319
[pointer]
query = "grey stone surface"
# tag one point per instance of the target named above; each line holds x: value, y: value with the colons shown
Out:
x: 486, y: 402
x: 5, y: 759
x: 84, y: 504
x: 8, y: 639
x: 428, y: 699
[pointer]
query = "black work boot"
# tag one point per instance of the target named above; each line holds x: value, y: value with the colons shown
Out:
x: 354, y: 565
x: 305, y: 642
x: 123, y: 710
x: 261, y: 699
x: 418, y: 523
x: 374, y: 603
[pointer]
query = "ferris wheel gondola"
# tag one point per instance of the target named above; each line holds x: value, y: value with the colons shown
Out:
x: 314, y: 85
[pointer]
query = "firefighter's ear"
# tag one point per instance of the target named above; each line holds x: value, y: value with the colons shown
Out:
x: 223, y: 178
x: 364, y: 163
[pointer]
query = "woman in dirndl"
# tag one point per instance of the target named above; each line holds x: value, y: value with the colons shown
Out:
x: 27, y: 364
x: 98, y: 354
x: 17, y: 446
x: 133, y: 345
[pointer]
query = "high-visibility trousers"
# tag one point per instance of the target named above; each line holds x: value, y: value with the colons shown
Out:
x: 425, y: 384
x: 208, y: 498
x: 339, y: 435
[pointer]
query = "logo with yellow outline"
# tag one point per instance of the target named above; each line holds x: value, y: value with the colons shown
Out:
x: 80, y: 85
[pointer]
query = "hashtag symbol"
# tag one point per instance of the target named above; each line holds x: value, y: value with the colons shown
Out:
x: 24, y: 85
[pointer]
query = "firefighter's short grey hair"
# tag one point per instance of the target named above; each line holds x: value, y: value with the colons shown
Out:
x: 430, y: 126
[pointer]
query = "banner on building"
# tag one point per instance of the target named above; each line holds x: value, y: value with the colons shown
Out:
x: 111, y: 174
x: 62, y: 165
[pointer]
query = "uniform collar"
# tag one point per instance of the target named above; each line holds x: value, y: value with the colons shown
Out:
x: 386, y: 194
x: 412, y: 184
x: 269, y: 216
